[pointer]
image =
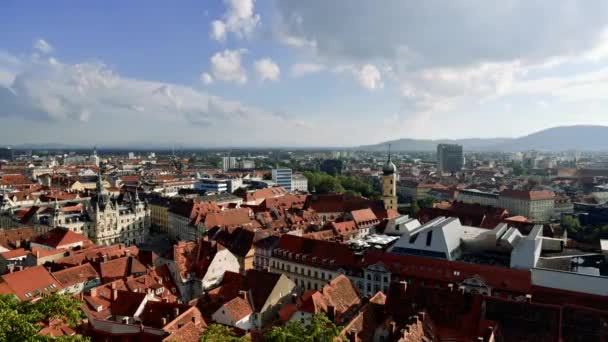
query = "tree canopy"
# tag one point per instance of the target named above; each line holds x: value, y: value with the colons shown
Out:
x: 220, y: 333
x: 319, y: 329
x: 19, y: 320
x: 322, y: 183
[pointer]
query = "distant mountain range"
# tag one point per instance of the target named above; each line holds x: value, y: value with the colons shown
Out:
x: 563, y: 138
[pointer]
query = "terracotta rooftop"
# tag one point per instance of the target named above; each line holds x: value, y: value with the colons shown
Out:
x: 237, y: 308
x: 363, y: 216
x: 528, y: 195
x: 341, y: 294
x: 15, y: 253
x: 30, y: 283
x: 120, y: 268
x: 332, y: 255
x: 61, y: 237
x: 76, y: 275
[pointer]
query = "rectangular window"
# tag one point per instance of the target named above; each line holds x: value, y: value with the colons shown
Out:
x: 413, y: 238
x: 429, y: 237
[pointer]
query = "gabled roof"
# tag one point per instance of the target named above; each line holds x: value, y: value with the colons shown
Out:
x: 30, y: 283
x: 345, y: 228
x: 363, y: 216
x: 59, y: 237
x: 341, y: 294
x: 259, y: 285
x: 237, y: 308
x: 193, y: 257
x: 334, y: 254
x: 239, y: 241
x: 121, y: 267
x: 15, y: 253
x: 76, y: 275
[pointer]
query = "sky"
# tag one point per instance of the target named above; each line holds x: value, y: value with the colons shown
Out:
x: 212, y: 73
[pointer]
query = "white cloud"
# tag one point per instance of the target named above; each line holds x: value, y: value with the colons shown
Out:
x: 206, y: 78
x: 43, y: 46
x: 369, y: 77
x: 266, y: 69
x: 60, y: 92
x: 218, y: 30
x: 239, y: 19
x: 441, y: 54
x: 301, y: 69
x: 226, y: 66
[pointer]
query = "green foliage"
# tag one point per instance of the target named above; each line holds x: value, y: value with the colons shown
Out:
x: 426, y: 202
x: 19, y: 320
x: 320, y: 329
x: 220, y: 333
x: 414, y: 209
x: 322, y: 183
x: 572, y: 225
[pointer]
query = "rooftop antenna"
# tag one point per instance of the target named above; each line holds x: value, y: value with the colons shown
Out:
x: 389, y: 152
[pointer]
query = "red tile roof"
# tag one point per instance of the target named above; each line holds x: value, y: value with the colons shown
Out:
x: 193, y: 257
x: 330, y: 254
x: 416, y: 267
x: 237, y: 308
x: 228, y: 218
x: 30, y: 283
x: 528, y: 195
x: 262, y: 194
x: 15, y: 253
x: 363, y: 216
x: 341, y: 294
x: 120, y: 268
x: 345, y: 228
x: 76, y: 275
x: 61, y: 238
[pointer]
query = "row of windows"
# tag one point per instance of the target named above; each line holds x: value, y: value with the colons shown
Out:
x: 300, y: 270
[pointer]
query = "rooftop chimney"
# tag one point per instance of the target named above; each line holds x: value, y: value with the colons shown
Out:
x: 114, y: 294
x: 175, y: 312
x: 163, y: 321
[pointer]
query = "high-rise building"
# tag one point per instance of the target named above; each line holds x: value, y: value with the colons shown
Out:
x: 389, y: 184
x: 449, y: 158
x: 247, y: 164
x: 282, y: 177
x: 229, y: 163
x: 6, y: 153
x: 299, y: 183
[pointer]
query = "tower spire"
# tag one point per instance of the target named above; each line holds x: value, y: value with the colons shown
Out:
x: 389, y: 152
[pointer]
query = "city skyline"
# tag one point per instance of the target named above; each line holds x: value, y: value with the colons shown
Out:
x: 265, y: 73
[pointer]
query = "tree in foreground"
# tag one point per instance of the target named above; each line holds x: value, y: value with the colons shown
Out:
x: 220, y: 333
x: 19, y: 320
x: 321, y: 329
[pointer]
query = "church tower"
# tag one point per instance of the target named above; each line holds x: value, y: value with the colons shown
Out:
x: 389, y: 183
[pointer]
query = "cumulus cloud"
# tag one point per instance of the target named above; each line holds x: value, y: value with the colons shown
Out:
x: 218, y: 30
x: 267, y: 69
x: 439, y: 53
x: 302, y: 69
x: 60, y: 92
x: 226, y: 66
x: 43, y: 46
x: 369, y: 77
x: 239, y: 19
x: 206, y: 78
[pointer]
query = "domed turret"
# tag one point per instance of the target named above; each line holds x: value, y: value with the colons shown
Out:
x: 389, y: 168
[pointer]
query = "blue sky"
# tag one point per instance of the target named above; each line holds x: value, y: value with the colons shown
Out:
x: 297, y: 73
